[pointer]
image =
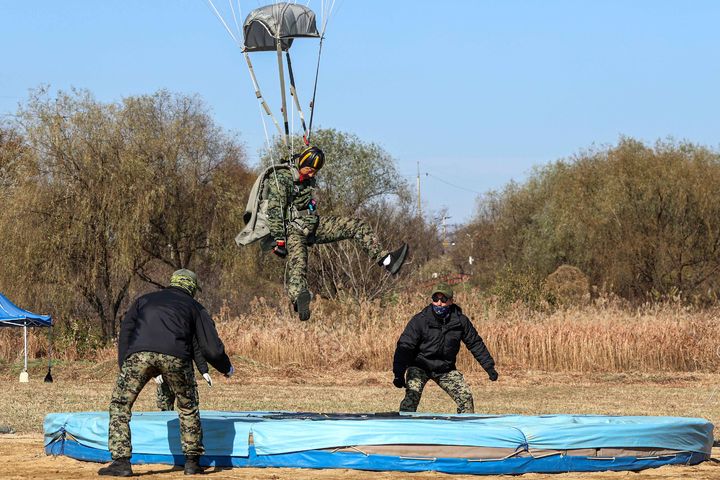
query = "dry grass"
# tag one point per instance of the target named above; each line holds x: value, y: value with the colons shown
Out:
x: 86, y: 386
x: 603, y: 337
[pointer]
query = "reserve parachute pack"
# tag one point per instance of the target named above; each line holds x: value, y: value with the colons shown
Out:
x: 255, y: 216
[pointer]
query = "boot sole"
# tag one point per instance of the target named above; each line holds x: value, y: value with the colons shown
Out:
x: 303, y: 305
x: 398, y: 263
x: 115, y: 474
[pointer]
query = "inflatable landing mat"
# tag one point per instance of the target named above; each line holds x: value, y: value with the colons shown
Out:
x: 469, y: 444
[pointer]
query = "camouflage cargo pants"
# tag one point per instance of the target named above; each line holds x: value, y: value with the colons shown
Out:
x: 329, y: 229
x: 136, y: 371
x: 452, y: 382
x: 165, y: 398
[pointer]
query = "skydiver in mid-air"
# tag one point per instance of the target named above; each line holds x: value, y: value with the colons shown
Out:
x: 294, y: 225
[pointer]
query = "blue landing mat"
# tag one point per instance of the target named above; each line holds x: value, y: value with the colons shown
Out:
x: 307, y: 440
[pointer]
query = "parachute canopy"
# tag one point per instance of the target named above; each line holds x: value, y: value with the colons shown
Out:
x: 284, y: 21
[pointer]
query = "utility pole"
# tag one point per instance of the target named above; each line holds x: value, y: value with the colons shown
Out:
x: 471, y: 260
x: 419, y: 208
x: 445, y: 242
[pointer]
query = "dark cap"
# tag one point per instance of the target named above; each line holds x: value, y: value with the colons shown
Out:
x: 443, y: 288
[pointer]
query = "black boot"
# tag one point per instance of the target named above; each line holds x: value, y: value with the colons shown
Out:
x: 394, y: 260
x: 302, y: 305
x: 191, y: 465
x: 118, y: 468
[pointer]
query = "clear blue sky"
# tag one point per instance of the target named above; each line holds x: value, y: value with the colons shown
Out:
x: 477, y: 91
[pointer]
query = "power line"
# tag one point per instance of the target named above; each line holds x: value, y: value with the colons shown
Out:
x: 427, y: 174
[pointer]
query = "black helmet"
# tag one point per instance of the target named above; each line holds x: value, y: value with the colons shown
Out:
x: 310, y: 157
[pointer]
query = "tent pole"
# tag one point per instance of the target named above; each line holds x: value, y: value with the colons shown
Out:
x: 24, y: 374
x: 25, y: 336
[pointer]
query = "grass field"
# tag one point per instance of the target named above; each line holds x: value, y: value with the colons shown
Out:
x: 599, y: 359
x: 86, y: 386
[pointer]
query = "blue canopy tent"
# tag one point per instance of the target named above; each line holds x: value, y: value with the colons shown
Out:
x: 13, y: 316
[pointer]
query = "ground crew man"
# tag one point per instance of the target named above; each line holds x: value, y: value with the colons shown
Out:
x: 156, y: 338
x: 295, y: 225
x: 427, y: 350
x: 165, y: 396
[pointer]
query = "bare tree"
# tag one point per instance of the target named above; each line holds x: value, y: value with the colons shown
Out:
x: 121, y: 191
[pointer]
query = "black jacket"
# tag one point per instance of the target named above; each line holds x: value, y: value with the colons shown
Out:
x: 432, y: 343
x: 200, y: 361
x: 168, y: 321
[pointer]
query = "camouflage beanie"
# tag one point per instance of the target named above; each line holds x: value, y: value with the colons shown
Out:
x: 185, y: 279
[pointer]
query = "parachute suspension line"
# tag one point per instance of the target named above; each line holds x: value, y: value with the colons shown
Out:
x: 224, y: 23
x: 267, y: 136
x: 293, y: 93
x: 239, y: 14
x: 258, y: 93
x: 326, y: 13
x: 281, y: 72
x: 326, y: 17
x: 312, y: 102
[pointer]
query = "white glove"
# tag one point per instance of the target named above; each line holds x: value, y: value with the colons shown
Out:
x: 230, y: 373
x: 207, y: 378
x: 158, y: 380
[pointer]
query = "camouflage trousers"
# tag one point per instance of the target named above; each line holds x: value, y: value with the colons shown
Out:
x: 165, y: 397
x: 329, y: 229
x: 136, y: 371
x: 452, y: 382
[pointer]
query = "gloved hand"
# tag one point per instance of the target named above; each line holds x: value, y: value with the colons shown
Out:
x: 158, y: 379
x: 492, y: 374
x: 280, y: 249
x: 207, y: 378
x: 230, y: 373
x: 399, y: 382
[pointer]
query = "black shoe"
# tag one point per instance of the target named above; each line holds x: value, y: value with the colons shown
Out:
x: 118, y: 468
x: 395, y: 260
x: 191, y: 465
x: 302, y: 305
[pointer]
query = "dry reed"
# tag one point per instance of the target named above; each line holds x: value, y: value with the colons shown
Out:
x: 605, y: 336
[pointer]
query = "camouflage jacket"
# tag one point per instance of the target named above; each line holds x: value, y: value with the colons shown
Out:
x: 288, y: 203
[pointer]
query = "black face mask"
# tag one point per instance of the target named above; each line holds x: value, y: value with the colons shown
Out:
x: 441, y: 311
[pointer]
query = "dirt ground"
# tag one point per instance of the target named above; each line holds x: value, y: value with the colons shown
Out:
x: 22, y: 457
x: 87, y: 388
